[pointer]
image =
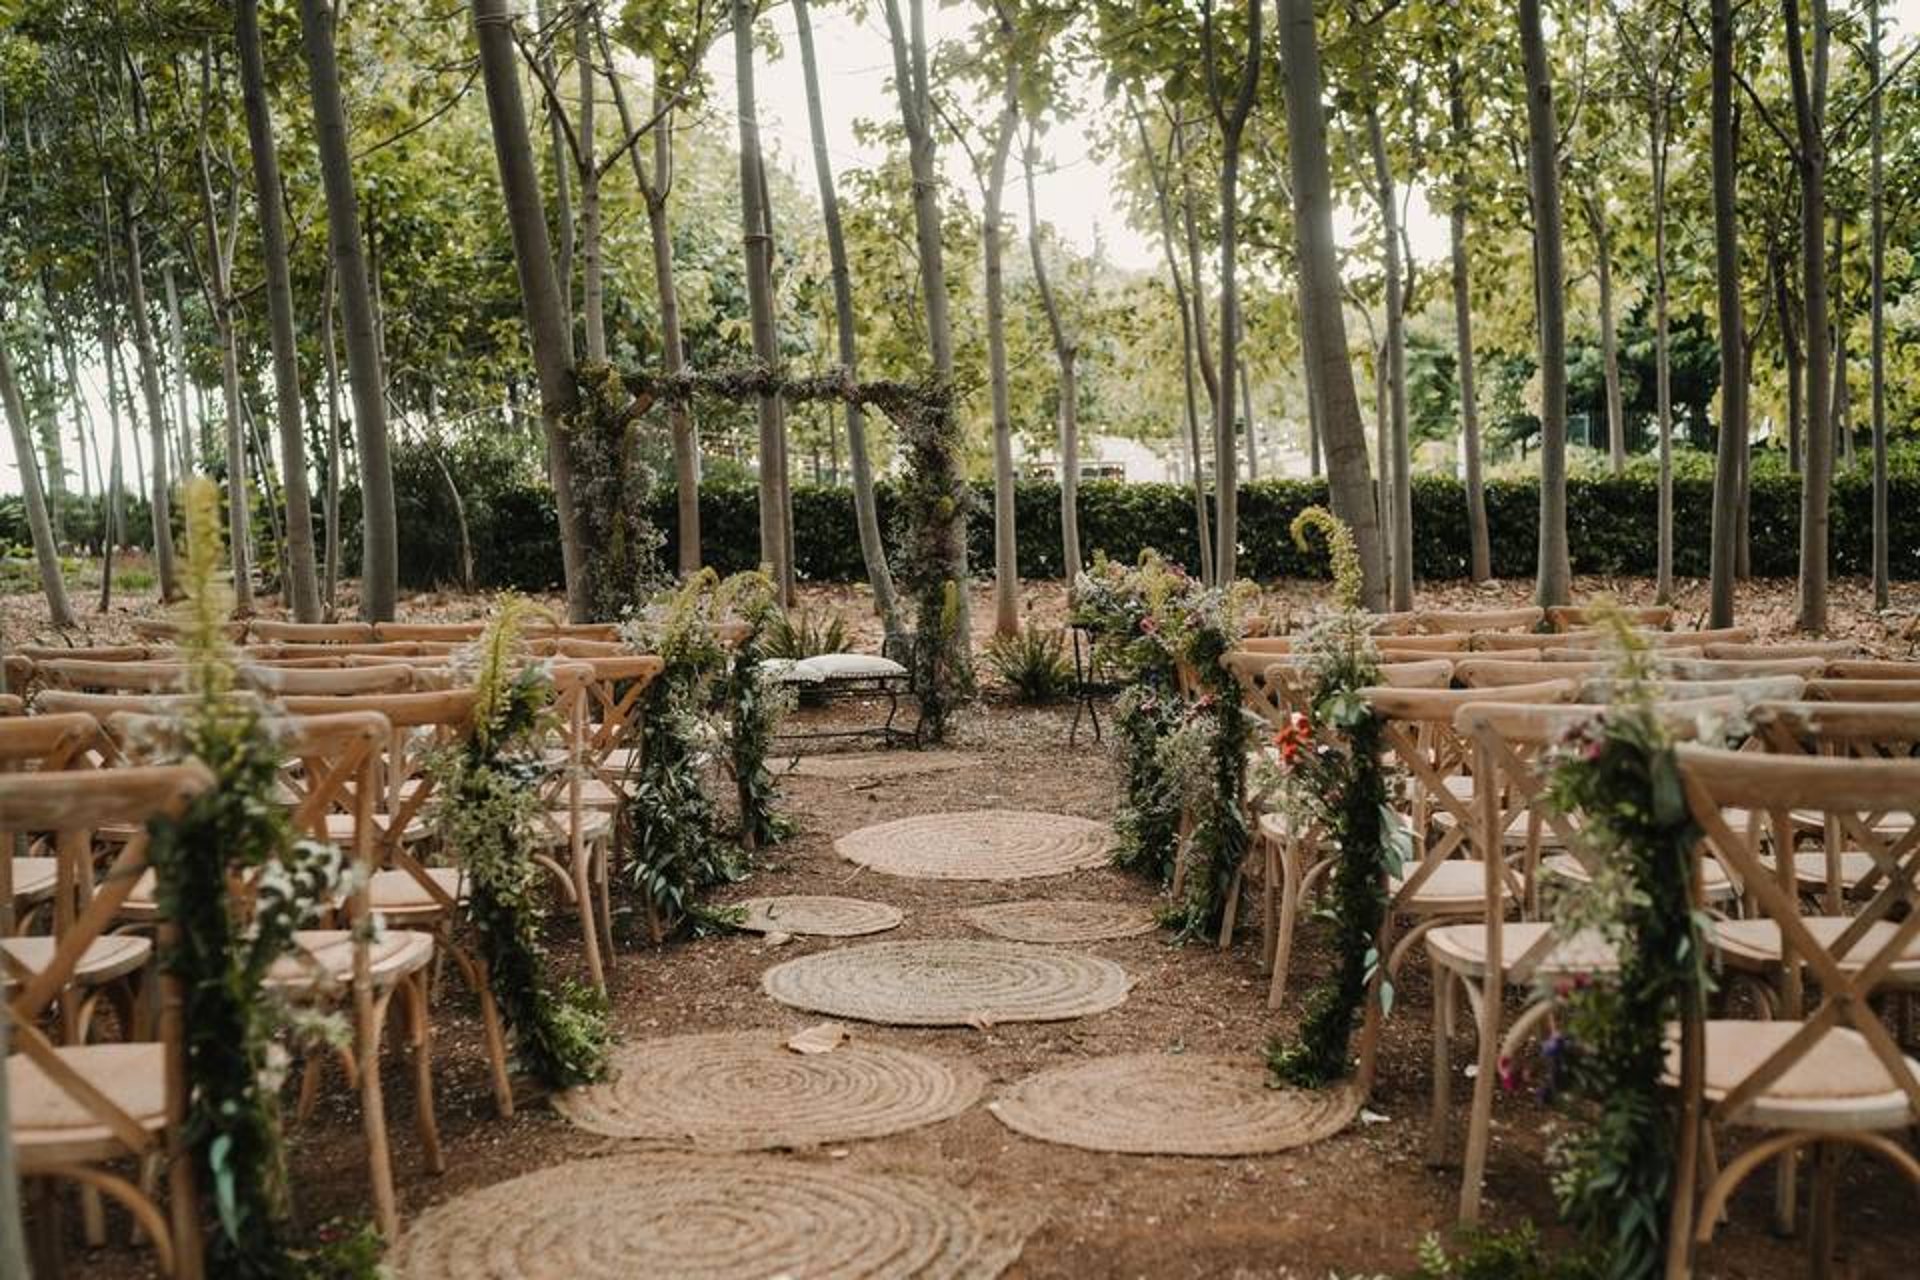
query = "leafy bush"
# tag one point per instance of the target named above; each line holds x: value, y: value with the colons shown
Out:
x: 805, y: 634
x: 1033, y: 663
x: 1482, y: 1253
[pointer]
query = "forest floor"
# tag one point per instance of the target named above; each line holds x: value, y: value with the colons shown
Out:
x: 1358, y: 1204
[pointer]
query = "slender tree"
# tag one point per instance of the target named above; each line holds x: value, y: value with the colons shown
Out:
x: 1596, y: 212
x: 380, y: 548
x: 1877, y: 305
x: 177, y: 356
x: 593, y: 276
x: 1810, y: 161
x: 1323, y: 328
x: 1553, y: 582
x: 540, y: 294
x: 1400, y: 491
x: 297, y: 571
x: 158, y: 494
x: 1066, y: 354
x: 1479, y: 552
x: 39, y: 524
x: 1006, y: 546
x: 1730, y: 460
x: 1230, y: 117
x: 865, y: 507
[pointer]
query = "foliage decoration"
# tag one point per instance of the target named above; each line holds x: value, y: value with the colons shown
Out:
x: 930, y: 517
x: 612, y: 489
x: 225, y: 943
x: 486, y: 809
x: 753, y: 702
x: 1618, y: 772
x: 1185, y: 749
x: 1329, y: 775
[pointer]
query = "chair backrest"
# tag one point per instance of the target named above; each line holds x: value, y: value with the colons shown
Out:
x: 1395, y: 624
x: 1778, y: 650
x: 1676, y: 667
x: 1499, y: 641
x: 328, y: 681
x: 1864, y: 690
x: 50, y: 744
x: 69, y: 808
x: 307, y: 649
x: 111, y: 677
x: 1265, y: 644
x: 102, y: 705
x: 1872, y: 669
x: 269, y: 631
x: 1846, y: 794
x: 1600, y: 688
x: 575, y: 647
x: 615, y: 697
x: 1579, y: 617
x: 1443, y: 621
x: 1492, y: 673
x: 1454, y: 642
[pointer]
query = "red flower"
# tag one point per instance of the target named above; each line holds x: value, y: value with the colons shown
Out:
x: 1294, y: 737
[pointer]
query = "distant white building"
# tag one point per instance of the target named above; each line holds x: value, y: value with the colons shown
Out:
x: 1105, y: 457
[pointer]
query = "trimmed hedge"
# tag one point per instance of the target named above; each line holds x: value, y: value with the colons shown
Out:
x: 1611, y: 528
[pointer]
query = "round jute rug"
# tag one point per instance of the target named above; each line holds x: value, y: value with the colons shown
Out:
x: 818, y: 916
x: 1169, y: 1104
x: 705, y: 1217
x: 1056, y: 920
x: 747, y: 1091
x: 984, y: 844
x: 948, y: 983
x: 879, y: 764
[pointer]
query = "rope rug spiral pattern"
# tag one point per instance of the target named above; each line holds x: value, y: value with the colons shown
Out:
x: 817, y: 916
x: 705, y: 1218
x: 747, y: 1091
x: 1172, y: 1104
x: 887, y: 764
x: 948, y: 983
x: 1058, y: 920
x: 985, y: 844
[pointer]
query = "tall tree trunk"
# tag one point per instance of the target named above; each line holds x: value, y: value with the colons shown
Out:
x: 1791, y: 357
x: 1232, y: 119
x: 1006, y: 546
x: 1197, y: 453
x: 380, y: 556
x: 1657, y: 146
x: 1553, y: 583
x: 1609, y: 335
x: 1196, y: 276
x: 1810, y: 112
x: 1383, y: 457
x: 758, y: 247
x: 177, y: 357
x: 1253, y: 426
x: 1323, y: 327
x: 593, y: 285
x: 298, y: 586
x: 1876, y: 309
x: 655, y: 189
x: 561, y: 160
x: 865, y: 507
x: 1479, y: 552
x: 1842, y: 410
x: 790, y: 576
x: 330, y: 356
x: 540, y: 296
x: 39, y: 524
x: 1066, y: 353
x: 143, y: 343
x: 220, y: 295
x: 114, y: 520
x: 1396, y: 364
x: 1729, y: 473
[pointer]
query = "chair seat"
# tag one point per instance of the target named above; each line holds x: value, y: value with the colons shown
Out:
x: 50, y: 1126
x: 35, y: 878
x: 340, y: 827
x: 1756, y: 943
x: 1463, y: 948
x: 595, y: 825
x: 322, y: 960
x: 840, y: 666
x: 1836, y: 1086
x: 1515, y: 836
x: 1810, y: 868
x: 110, y: 956
x: 398, y: 895
x: 1456, y: 885
x: 1716, y: 883
x: 596, y: 794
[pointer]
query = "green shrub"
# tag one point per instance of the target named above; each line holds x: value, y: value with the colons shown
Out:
x: 1482, y: 1253
x: 803, y: 634
x: 1033, y: 663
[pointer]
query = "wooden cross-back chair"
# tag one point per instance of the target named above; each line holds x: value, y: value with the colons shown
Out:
x: 1582, y: 617
x: 1827, y: 1074
x: 76, y: 1111
x: 330, y: 781
x: 1510, y: 743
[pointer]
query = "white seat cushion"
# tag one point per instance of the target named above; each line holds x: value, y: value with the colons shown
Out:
x: 845, y: 666
x: 1837, y: 1085
x: 782, y: 669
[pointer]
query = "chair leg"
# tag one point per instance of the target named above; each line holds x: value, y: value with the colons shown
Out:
x: 1269, y: 903
x: 583, y: 903
x: 1232, y: 911
x: 1290, y: 895
x: 1480, y: 1119
x: 421, y: 1028
x: 1437, y: 1121
x: 1820, y: 1210
x: 373, y: 1110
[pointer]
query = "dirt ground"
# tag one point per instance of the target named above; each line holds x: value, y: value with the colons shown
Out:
x: 1356, y: 1205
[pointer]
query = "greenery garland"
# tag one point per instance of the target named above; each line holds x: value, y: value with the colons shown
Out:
x: 486, y: 807
x: 222, y: 952
x: 930, y: 530
x: 754, y: 702
x: 1618, y: 772
x: 1179, y: 756
x: 612, y: 488
x: 1330, y: 773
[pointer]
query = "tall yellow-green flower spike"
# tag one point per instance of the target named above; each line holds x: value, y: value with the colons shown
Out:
x: 208, y: 602
x: 1343, y: 557
x: 499, y: 652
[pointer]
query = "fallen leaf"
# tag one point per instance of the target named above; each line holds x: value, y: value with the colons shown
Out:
x: 823, y: 1037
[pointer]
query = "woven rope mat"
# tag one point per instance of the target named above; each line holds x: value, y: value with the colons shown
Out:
x: 948, y: 983
x: 985, y: 844
x: 746, y: 1091
x: 1173, y: 1105
x: 883, y: 764
x: 815, y: 916
x: 704, y: 1218
x: 1050, y: 920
